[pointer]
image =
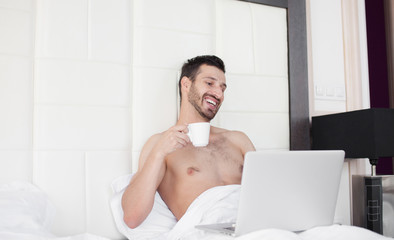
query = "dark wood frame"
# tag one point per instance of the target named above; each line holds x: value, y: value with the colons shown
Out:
x: 298, y: 71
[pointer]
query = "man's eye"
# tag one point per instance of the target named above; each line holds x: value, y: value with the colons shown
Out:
x: 209, y: 83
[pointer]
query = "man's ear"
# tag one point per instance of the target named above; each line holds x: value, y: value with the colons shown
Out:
x: 186, y: 83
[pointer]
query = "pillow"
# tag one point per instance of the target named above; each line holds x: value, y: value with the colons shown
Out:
x: 24, y: 208
x: 158, y: 223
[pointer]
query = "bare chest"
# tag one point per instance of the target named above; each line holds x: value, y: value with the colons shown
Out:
x: 191, y: 171
x: 220, y: 161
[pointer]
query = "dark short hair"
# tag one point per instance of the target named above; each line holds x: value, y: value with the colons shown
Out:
x: 191, y: 67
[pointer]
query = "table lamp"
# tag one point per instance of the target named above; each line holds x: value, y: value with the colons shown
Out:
x: 368, y: 134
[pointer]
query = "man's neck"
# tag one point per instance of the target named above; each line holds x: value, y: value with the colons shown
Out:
x: 189, y: 115
x: 190, y: 119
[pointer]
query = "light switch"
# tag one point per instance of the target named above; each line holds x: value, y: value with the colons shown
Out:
x: 330, y: 92
x: 319, y: 91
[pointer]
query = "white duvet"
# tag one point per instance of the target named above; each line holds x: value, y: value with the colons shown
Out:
x: 218, y: 204
x: 26, y: 214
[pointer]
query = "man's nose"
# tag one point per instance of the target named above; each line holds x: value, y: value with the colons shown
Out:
x: 218, y: 92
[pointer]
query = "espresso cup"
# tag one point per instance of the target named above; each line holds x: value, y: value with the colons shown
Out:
x: 199, y: 133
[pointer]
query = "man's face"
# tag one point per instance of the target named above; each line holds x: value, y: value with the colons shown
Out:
x: 207, y: 91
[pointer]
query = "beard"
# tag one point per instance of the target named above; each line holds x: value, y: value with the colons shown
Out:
x: 197, y: 103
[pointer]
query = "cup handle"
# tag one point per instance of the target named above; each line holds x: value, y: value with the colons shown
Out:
x: 189, y: 134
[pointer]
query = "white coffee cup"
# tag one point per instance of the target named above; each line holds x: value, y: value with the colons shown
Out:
x: 199, y: 133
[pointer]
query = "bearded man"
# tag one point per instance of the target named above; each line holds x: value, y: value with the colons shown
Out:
x: 171, y: 165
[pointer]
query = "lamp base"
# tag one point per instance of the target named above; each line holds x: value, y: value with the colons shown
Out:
x: 373, y: 203
x: 373, y: 170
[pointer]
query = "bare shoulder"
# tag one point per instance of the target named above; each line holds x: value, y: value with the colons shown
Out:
x: 147, y: 148
x: 239, y: 138
x: 229, y: 133
x: 151, y: 142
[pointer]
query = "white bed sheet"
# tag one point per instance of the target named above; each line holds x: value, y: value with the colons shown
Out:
x: 26, y: 214
x: 218, y: 204
x: 334, y: 232
x: 4, y: 235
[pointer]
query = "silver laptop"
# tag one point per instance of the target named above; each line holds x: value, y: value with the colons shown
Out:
x: 290, y: 190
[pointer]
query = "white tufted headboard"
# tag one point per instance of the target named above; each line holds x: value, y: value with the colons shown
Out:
x: 87, y: 82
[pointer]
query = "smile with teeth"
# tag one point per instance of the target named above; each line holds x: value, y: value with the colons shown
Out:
x: 211, y: 102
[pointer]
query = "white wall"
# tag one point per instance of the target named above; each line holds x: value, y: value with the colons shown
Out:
x: 327, y: 56
x: 84, y: 83
x: 65, y: 103
x: 337, y: 52
x: 16, y: 87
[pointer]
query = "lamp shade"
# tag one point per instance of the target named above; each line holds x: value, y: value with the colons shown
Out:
x: 365, y: 133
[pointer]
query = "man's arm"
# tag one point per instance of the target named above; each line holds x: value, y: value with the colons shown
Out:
x: 138, y: 198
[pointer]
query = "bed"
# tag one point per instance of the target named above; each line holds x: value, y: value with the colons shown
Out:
x: 27, y: 213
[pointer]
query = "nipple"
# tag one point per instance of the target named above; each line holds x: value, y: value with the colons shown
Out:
x: 191, y: 170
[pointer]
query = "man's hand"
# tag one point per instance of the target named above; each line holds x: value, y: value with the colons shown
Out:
x: 172, y: 139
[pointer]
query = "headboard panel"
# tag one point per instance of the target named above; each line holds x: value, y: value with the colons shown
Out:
x: 92, y: 93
